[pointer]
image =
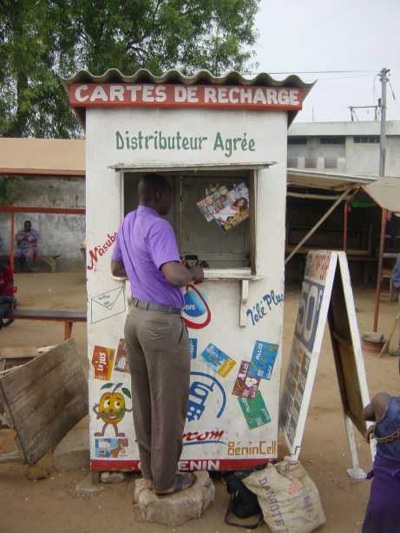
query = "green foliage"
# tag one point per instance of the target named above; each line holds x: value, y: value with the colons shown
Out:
x: 3, y: 191
x: 11, y: 189
x: 41, y: 39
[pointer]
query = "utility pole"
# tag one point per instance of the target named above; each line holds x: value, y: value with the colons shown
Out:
x: 383, y: 75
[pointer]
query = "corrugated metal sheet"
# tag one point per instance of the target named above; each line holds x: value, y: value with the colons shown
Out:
x: 386, y: 193
x: 324, y: 180
x: 202, y: 77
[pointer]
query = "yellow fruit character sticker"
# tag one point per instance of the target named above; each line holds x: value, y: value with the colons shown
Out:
x: 111, y: 407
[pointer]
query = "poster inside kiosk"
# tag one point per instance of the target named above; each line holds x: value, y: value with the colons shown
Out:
x: 326, y: 295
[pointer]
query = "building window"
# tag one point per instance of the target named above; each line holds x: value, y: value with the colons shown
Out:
x: 310, y: 162
x: 297, y: 140
x: 367, y: 139
x: 292, y: 162
x: 332, y: 140
x: 330, y: 162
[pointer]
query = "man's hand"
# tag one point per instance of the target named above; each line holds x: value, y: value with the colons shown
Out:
x: 178, y: 275
x: 197, y: 273
x: 369, y: 433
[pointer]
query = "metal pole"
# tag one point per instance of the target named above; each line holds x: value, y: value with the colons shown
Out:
x: 379, y: 275
x: 12, y: 237
x: 382, y: 143
x: 345, y: 220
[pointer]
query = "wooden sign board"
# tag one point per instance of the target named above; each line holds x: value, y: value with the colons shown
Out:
x: 326, y: 295
x: 44, y: 398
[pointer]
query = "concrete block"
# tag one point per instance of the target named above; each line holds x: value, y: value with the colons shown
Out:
x: 72, y: 453
x: 178, y: 508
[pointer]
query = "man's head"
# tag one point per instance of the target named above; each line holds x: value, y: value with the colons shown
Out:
x: 156, y: 192
x: 27, y: 225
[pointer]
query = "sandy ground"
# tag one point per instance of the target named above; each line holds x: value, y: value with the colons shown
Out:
x: 51, y: 505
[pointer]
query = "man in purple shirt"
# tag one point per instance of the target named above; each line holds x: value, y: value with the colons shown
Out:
x: 156, y: 338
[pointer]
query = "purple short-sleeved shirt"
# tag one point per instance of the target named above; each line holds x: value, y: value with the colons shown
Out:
x: 145, y: 242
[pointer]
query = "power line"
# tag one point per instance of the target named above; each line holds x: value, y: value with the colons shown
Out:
x: 344, y: 78
x: 327, y: 72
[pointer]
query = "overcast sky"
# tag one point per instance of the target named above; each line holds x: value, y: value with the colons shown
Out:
x: 298, y: 36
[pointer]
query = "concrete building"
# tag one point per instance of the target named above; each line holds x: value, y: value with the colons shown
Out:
x: 46, y: 178
x: 343, y: 147
x: 347, y: 149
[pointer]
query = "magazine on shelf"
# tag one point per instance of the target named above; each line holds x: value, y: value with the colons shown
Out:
x: 227, y: 207
x: 215, y: 200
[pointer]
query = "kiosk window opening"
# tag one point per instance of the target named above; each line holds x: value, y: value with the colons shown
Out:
x: 213, y: 214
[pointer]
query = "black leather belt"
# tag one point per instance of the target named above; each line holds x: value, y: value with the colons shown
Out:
x: 148, y: 306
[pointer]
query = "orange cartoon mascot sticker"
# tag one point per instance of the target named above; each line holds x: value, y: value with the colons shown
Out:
x: 112, y: 408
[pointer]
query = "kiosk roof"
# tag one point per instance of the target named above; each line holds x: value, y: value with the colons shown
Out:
x: 175, y: 77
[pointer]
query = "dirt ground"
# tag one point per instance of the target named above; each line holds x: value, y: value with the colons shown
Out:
x: 51, y: 505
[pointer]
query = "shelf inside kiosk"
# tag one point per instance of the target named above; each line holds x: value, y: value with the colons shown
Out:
x: 212, y: 215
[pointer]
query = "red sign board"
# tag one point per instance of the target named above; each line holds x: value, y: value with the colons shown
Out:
x: 186, y: 96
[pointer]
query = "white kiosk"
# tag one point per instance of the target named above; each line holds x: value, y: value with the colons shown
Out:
x: 222, y: 144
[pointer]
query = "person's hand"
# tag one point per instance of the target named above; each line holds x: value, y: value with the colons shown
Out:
x: 197, y: 273
x: 369, y: 433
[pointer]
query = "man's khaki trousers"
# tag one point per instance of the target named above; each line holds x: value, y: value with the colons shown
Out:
x: 157, y: 346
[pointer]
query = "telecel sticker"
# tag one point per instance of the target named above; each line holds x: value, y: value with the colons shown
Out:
x: 196, y: 312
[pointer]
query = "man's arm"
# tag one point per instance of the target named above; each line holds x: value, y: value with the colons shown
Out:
x: 117, y: 264
x: 178, y: 275
x: 19, y: 237
x: 118, y: 269
x: 375, y: 410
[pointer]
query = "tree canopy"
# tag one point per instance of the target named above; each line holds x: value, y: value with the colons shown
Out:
x: 41, y: 40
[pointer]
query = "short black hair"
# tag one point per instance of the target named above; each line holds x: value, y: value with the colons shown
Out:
x: 150, y: 184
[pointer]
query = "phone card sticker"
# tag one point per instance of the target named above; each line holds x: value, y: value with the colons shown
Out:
x: 218, y: 360
x: 255, y: 411
x: 263, y: 360
x: 245, y: 386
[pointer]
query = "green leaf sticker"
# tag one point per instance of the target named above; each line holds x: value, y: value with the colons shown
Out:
x: 127, y: 392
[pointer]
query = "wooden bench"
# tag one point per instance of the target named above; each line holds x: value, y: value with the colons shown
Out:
x: 68, y: 316
x: 49, y: 259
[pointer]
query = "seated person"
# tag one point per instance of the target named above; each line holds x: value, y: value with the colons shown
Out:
x: 7, y: 299
x: 27, y: 244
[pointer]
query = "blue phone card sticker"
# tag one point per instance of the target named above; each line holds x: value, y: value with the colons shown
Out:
x: 218, y: 360
x: 263, y: 360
